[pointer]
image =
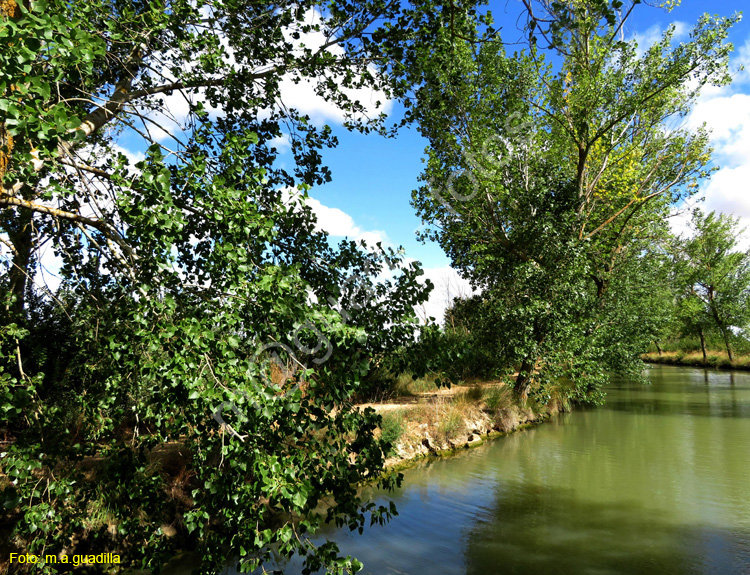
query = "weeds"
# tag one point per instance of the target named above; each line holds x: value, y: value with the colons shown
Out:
x: 497, y: 397
x: 715, y: 358
x: 405, y: 385
x: 451, y: 424
x: 392, y: 427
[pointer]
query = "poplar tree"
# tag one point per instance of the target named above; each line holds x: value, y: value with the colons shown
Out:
x: 547, y: 179
x: 714, y: 278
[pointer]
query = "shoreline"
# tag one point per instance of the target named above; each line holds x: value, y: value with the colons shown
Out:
x: 441, y: 424
x: 695, y: 359
x: 402, y: 464
x: 436, y: 424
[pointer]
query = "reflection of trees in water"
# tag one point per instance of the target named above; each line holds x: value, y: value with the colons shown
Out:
x: 688, y: 391
x: 540, y: 530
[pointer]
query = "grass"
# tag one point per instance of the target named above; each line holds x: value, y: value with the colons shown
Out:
x: 691, y: 344
x: 497, y: 397
x: 447, y: 420
x: 451, y: 424
x: 405, y: 385
x: 392, y: 428
x: 714, y: 358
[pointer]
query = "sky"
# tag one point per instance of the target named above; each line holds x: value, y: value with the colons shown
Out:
x: 373, y: 177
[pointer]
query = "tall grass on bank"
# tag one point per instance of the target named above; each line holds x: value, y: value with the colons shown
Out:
x: 714, y: 358
x: 392, y: 428
x: 688, y: 345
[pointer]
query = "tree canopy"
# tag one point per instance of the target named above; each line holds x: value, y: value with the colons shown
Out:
x: 190, y: 382
x: 713, y: 278
x: 547, y: 179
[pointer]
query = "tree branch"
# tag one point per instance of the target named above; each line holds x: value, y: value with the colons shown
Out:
x: 109, y: 231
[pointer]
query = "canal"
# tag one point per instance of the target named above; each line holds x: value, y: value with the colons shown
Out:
x: 657, y: 481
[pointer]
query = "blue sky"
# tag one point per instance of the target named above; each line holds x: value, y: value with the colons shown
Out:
x: 373, y: 177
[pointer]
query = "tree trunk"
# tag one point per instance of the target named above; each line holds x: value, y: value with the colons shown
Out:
x: 658, y: 347
x: 523, y: 381
x: 727, y: 344
x: 22, y: 239
x: 720, y: 324
x: 20, y: 235
x: 703, y: 345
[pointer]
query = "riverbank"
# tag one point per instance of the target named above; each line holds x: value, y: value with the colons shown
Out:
x: 435, y: 423
x: 600, y: 490
x: 441, y: 422
x: 714, y: 359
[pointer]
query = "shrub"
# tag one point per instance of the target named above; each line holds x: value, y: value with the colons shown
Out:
x: 452, y: 354
x: 392, y: 427
x: 450, y: 425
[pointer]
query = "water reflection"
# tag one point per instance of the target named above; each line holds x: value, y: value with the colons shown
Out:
x: 679, y: 391
x: 535, y: 529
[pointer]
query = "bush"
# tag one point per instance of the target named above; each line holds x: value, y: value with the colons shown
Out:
x: 452, y: 355
x: 392, y: 427
x: 450, y: 425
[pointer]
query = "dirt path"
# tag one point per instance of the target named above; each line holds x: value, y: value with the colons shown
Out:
x: 440, y: 394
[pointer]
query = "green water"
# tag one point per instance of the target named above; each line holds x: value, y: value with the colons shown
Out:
x: 655, y: 482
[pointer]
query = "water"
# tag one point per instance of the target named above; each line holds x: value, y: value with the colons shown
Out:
x: 655, y: 482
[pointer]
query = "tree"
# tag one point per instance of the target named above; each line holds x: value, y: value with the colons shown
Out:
x: 207, y: 339
x: 693, y: 320
x: 545, y: 181
x: 715, y: 277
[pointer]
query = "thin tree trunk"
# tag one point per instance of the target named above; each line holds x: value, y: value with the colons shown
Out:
x: 658, y: 347
x: 703, y: 345
x: 727, y: 344
x: 722, y: 328
x: 22, y: 240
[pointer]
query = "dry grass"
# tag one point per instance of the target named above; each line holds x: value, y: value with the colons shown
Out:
x: 497, y: 397
x: 451, y: 424
x: 447, y: 420
x: 714, y: 358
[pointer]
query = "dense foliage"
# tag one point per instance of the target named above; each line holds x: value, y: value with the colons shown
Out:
x: 711, y: 281
x: 548, y: 181
x: 190, y: 382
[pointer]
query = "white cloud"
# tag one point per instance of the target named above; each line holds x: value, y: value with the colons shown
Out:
x: 336, y: 222
x: 333, y: 220
x: 726, y: 112
x: 282, y: 143
x: 93, y: 205
x: 654, y: 34
x: 728, y: 118
x: 132, y: 157
x: 300, y: 94
x: 742, y: 60
x: 448, y: 285
x: 302, y: 97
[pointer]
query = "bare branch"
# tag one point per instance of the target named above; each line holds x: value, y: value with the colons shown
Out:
x: 109, y: 232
